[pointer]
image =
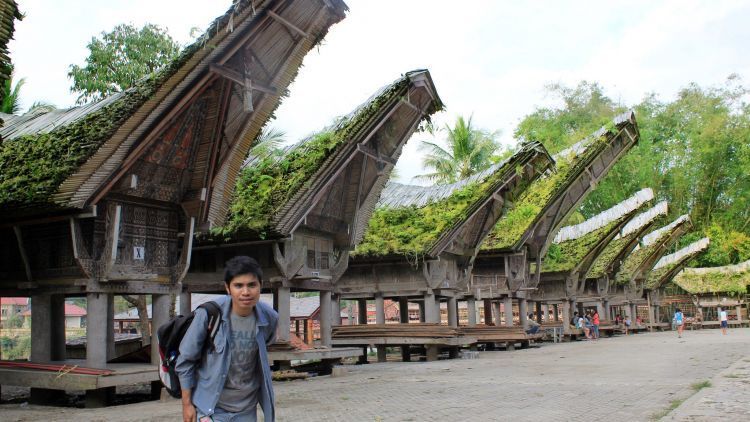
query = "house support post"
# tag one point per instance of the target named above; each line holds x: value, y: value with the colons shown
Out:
x: 566, y: 316
x: 452, y: 312
x: 380, y: 319
x: 403, y: 313
x: 471, y: 309
x: 432, y: 315
x: 738, y: 308
x: 497, y: 315
x: 487, y: 311
x: 523, y: 311
x: 362, y: 319
x: 160, y: 305
x: 539, y: 314
x: 556, y: 312
x: 600, y: 310
x: 186, y: 304
x: 336, y: 310
x: 508, y: 311
x: 283, y: 295
x: 100, y: 344
x: 325, y: 318
x: 607, y: 310
x: 47, y: 339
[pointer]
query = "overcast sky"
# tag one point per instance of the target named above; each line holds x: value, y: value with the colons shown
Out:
x: 491, y: 59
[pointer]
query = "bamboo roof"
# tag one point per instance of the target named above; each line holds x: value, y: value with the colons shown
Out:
x: 620, y: 245
x: 574, y: 243
x: 271, y: 190
x: 732, y: 279
x: 512, y: 230
x: 670, y: 264
x: 9, y: 13
x: 411, y: 220
x: 62, y: 158
x: 641, y: 260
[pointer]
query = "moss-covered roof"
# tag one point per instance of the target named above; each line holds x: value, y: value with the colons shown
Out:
x: 34, y: 165
x: 267, y: 184
x: 668, y: 264
x: 411, y: 224
x: 573, y: 243
x: 9, y: 13
x: 732, y: 279
x: 617, y: 245
x: 510, y: 230
x: 651, y: 243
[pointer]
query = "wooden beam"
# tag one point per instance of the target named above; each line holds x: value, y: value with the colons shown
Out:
x: 240, y: 79
x: 287, y: 24
x: 90, y: 212
x: 114, y: 237
x: 375, y: 155
x: 22, y: 250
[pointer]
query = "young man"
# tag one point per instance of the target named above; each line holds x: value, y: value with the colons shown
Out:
x: 724, y: 319
x: 533, y: 325
x: 227, y: 380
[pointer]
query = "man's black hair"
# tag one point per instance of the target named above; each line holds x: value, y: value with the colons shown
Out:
x: 240, y: 265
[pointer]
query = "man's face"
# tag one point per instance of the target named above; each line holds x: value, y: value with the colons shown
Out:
x: 245, y: 292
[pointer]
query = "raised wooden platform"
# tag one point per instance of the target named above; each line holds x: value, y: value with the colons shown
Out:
x: 122, y: 374
x: 316, y: 354
x: 509, y: 336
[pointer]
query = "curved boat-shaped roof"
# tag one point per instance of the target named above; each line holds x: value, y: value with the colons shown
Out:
x: 65, y: 158
x: 276, y: 193
x: 528, y: 220
x: 574, y: 243
x: 419, y: 220
x: 644, y: 257
x: 622, y: 244
x: 732, y: 279
x: 671, y: 264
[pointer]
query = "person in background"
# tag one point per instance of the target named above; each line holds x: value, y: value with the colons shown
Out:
x: 595, y: 322
x: 678, y: 321
x: 533, y: 325
x: 724, y: 319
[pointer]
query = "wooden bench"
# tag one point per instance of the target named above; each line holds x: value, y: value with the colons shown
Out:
x: 433, y: 337
x: 491, y: 335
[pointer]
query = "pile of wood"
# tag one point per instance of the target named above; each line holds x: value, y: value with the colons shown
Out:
x: 294, y: 344
x: 394, y: 330
x: 497, y: 333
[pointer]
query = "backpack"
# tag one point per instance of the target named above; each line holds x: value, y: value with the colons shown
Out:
x: 170, y: 336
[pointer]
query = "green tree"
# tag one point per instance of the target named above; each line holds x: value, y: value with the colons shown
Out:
x: 470, y: 150
x: 12, y: 95
x: 119, y: 59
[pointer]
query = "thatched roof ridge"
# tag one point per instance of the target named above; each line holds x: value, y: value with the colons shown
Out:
x: 579, y: 253
x: 625, y: 239
x: 670, y: 264
x: 271, y: 188
x: 411, y: 220
x: 637, y: 261
x: 605, y: 217
x: 73, y: 153
x: 732, y: 279
x: 9, y: 13
x: 516, y: 227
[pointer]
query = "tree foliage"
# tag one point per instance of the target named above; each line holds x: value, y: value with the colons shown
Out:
x: 470, y: 150
x: 120, y: 58
x: 694, y: 151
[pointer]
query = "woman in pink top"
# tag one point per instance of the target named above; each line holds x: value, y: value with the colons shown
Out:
x: 595, y: 321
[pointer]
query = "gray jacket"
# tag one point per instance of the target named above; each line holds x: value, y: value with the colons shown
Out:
x: 213, y: 364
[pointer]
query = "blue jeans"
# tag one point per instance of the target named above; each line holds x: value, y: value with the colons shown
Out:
x: 596, y: 330
x: 222, y: 415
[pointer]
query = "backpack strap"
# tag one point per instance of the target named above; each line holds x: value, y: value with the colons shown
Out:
x: 214, y: 319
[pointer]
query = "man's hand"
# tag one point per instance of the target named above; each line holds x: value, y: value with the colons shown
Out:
x: 188, y: 413
x: 188, y: 410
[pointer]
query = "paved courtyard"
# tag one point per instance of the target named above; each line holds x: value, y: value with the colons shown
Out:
x: 619, y: 379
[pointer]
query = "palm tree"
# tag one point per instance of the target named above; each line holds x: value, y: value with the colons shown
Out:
x: 470, y: 150
x: 12, y: 96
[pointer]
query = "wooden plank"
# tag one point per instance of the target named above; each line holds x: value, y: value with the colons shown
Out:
x: 240, y: 79
x: 287, y: 24
x: 22, y: 251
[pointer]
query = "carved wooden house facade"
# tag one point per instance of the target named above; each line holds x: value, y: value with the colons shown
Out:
x: 302, y: 211
x: 106, y: 198
x: 422, y: 241
x: 523, y: 237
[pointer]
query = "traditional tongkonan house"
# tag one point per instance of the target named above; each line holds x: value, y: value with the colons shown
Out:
x: 105, y: 198
x: 626, y: 289
x: 420, y: 245
x: 700, y: 292
x: 664, y: 271
x: 574, y: 250
x: 302, y: 210
x: 522, y: 238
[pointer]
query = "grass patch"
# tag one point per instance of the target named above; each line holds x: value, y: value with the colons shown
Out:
x: 732, y: 376
x: 698, y: 386
x: 672, y: 406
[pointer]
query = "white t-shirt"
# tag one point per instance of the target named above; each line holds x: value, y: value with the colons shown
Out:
x: 723, y: 316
